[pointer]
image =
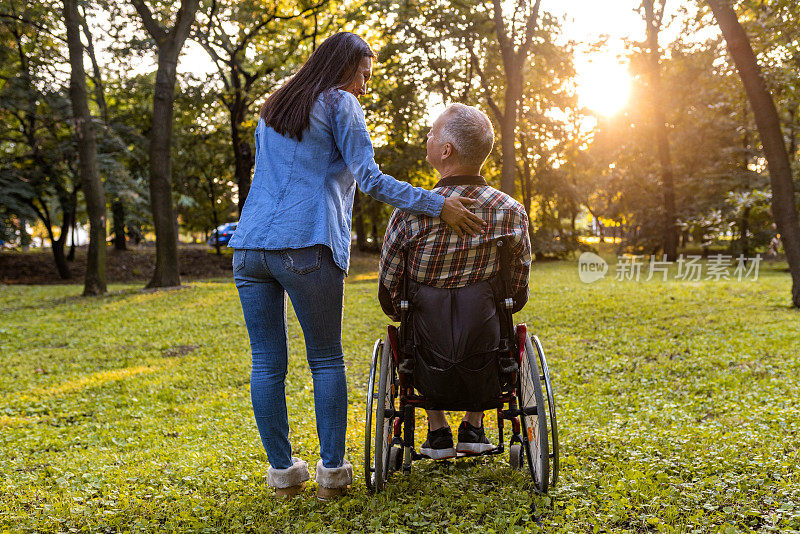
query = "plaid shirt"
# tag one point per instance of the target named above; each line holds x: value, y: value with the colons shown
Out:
x: 439, y: 258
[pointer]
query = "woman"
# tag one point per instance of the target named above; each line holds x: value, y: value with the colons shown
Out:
x: 312, y: 148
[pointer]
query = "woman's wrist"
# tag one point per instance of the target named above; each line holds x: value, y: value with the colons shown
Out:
x: 435, y: 204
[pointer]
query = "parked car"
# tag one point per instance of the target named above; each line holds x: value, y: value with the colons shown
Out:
x: 224, y: 233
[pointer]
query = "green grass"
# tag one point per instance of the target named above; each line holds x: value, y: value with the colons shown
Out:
x: 677, y: 406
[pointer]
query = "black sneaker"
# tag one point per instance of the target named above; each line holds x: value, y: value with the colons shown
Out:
x: 472, y: 439
x: 439, y: 444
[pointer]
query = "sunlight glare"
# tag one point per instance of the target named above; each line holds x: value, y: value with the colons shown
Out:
x: 603, y: 83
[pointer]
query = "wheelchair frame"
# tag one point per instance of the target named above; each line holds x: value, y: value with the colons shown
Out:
x: 523, y: 402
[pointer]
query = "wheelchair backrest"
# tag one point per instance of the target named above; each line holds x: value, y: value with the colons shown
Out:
x: 454, y: 338
x: 455, y: 323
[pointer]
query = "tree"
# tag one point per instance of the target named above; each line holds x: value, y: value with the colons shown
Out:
x: 124, y: 153
x: 253, y: 46
x: 169, y: 43
x: 712, y: 157
x: 95, y: 281
x: 769, y: 128
x: 450, y: 51
x: 550, y: 139
x: 204, y: 180
x: 37, y: 146
x: 396, y: 114
x: 117, y: 206
x: 514, y: 51
x: 654, y: 19
x: 13, y: 209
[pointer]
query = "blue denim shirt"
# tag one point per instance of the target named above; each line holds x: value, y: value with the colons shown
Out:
x: 302, y: 191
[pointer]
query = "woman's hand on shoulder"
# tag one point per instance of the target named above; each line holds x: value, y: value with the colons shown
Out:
x: 459, y: 218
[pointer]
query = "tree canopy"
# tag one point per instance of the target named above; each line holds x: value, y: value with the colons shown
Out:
x: 681, y: 165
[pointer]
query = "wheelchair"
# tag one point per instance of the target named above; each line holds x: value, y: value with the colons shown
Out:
x: 525, y: 399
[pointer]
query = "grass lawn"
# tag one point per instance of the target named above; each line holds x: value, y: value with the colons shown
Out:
x: 677, y: 403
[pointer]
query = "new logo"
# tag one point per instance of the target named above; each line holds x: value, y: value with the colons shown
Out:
x: 591, y: 267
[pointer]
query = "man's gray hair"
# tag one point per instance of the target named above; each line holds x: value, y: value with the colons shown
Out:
x: 469, y: 131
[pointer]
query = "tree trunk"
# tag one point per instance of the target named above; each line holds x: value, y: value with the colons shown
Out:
x: 376, y: 240
x: 95, y: 281
x: 793, y: 130
x: 169, y: 42
x: 167, y: 272
x: 216, y: 234
x: 670, y: 227
x: 118, y: 211
x: 684, y: 239
x: 508, y: 127
x: 242, y: 152
x: 61, y: 260
x: 744, y: 228
x: 24, y: 236
x: 514, y: 60
x: 214, y: 217
x: 59, y: 244
x: 769, y: 129
x: 670, y: 230
x: 74, y: 231
x: 99, y: 90
x: 527, y: 187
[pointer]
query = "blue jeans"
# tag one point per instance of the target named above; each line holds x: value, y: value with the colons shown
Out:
x: 316, y: 286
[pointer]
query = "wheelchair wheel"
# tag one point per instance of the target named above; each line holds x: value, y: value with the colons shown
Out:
x: 385, y: 410
x: 534, y: 419
x: 371, y: 395
x: 551, y: 405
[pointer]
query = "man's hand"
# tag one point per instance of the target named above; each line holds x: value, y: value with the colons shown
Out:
x: 459, y: 218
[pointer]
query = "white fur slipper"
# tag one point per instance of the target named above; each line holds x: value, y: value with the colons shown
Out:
x: 291, y: 476
x: 334, y: 477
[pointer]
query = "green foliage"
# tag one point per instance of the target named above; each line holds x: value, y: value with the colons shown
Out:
x: 37, y: 152
x: 445, y: 52
x: 395, y: 109
x: 713, y: 154
x: 721, y: 183
x: 131, y: 412
x: 428, y: 54
x: 124, y: 148
x: 13, y: 193
x: 202, y: 172
x: 38, y: 156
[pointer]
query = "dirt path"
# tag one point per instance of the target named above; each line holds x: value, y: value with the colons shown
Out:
x: 134, y: 265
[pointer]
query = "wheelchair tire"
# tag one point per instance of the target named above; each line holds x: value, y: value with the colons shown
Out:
x: 534, y: 419
x: 551, y: 405
x: 384, y: 422
x: 369, y: 464
x: 516, y: 457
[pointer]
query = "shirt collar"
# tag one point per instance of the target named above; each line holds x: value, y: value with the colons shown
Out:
x: 464, y: 179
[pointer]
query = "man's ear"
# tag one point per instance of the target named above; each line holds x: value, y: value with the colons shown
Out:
x: 447, y: 151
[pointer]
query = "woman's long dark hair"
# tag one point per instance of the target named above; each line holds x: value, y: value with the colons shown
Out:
x: 333, y: 64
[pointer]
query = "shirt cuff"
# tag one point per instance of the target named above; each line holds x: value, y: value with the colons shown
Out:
x: 435, y: 204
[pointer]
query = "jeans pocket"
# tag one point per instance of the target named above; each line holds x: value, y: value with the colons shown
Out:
x: 302, y: 260
x: 239, y: 255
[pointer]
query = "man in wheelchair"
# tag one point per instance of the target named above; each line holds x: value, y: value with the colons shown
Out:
x: 454, y: 284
